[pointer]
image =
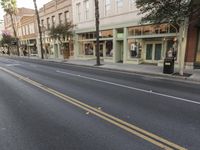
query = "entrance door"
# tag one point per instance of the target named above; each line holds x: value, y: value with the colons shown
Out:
x: 119, y: 52
x: 56, y: 50
x: 66, y: 52
x: 149, y: 51
x: 101, y: 49
x: 153, y: 52
x: 158, y: 52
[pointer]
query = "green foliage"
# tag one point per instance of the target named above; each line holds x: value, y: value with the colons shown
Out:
x: 9, y: 6
x: 61, y: 30
x: 169, y: 11
x: 7, y: 40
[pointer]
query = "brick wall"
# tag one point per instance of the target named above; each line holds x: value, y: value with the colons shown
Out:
x: 191, y: 42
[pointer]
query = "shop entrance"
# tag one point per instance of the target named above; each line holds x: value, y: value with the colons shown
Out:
x: 153, y: 52
x: 119, y: 51
x: 66, y: 51
x: 56, y: 50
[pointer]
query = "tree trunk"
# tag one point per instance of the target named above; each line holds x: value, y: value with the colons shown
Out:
x: 182, y: 46
x: 39, y: 28
x: 15, y: 34
x: 97, y: 32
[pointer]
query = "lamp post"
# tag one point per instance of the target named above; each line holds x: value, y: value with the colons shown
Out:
x: 97, y: 32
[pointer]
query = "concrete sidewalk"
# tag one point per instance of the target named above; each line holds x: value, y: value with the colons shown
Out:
x: 139, y: 69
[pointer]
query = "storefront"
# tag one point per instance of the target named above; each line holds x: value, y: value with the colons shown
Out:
x: 28, y: 47
x: 87, y: 45
x: 134, y: 45
x: 149, y: 44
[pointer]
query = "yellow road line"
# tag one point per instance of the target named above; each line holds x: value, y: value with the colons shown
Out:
x: 152, y: 138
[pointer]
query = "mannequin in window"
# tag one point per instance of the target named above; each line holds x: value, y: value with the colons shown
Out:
x: 134, y: 49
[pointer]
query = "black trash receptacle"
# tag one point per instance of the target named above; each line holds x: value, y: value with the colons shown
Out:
x: 168, y: 67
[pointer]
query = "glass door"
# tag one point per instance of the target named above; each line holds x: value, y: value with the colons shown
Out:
x: 149, y: 51
x: 153, y: 52
x: 158, y: 51
x: 101, y: 49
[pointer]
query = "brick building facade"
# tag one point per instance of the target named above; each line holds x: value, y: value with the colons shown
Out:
x: 52, y: 14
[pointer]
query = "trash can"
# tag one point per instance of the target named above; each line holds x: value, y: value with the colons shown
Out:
x: 168, y: 67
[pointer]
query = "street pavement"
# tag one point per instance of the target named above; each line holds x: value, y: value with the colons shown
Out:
x: 38, y: 110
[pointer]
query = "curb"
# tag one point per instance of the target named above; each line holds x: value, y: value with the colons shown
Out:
x: 161, y: 75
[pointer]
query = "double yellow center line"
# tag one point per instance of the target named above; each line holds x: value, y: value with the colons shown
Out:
x: 152, y: 138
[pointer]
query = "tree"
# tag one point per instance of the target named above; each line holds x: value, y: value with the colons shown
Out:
x: 173, y: 12
x: 39, y: 28
x: 10, y: 7
x: 7, y: 41
x: 98, y: 63
x: 62, y: 31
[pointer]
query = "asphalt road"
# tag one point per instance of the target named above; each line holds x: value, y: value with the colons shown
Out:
x: 32, y: 117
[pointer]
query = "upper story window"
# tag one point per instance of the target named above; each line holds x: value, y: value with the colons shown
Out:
x: 48, y: 23
x: 20, y: 31
x: 42, y: 22
x: 107, y: 6
x: 132, y: 4
x: 119, y: 4
x: 60, y: 18
x: 67, y: 16
x: 78, y: 10
x: 53, y: 19
x: 86, y: 5
x: 32, y: 28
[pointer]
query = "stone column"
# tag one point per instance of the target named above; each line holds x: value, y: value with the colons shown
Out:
x: 125, y: 46
x: 114, y: 45
x: 76, y: 46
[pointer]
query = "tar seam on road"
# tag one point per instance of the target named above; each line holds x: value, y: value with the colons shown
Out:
x: 152, y: 138
x: 132, y: 88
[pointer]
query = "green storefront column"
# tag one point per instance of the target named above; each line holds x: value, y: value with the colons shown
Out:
x: 76, y: 46
x: 114, y: 45
x: 125, y: 46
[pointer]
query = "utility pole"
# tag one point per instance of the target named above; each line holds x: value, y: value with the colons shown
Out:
x: 97, y: 32
x: 39, y: 28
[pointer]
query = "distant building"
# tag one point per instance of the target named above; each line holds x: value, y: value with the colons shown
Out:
x: 52, y: 14
x: 20, y: 12
x: 24, y: 24
x: 28, y: 34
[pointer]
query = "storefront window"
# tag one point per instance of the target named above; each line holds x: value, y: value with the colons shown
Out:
x: 163, y: 29
x: 106, y: 34
x: 109, y: 48
x: 89, y: 50
x: 84, y: 36
x: 51, y: 50
x: 172, y: 48
x: 147, y: 30
x: 151, y: 29
x: 134, y: 48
